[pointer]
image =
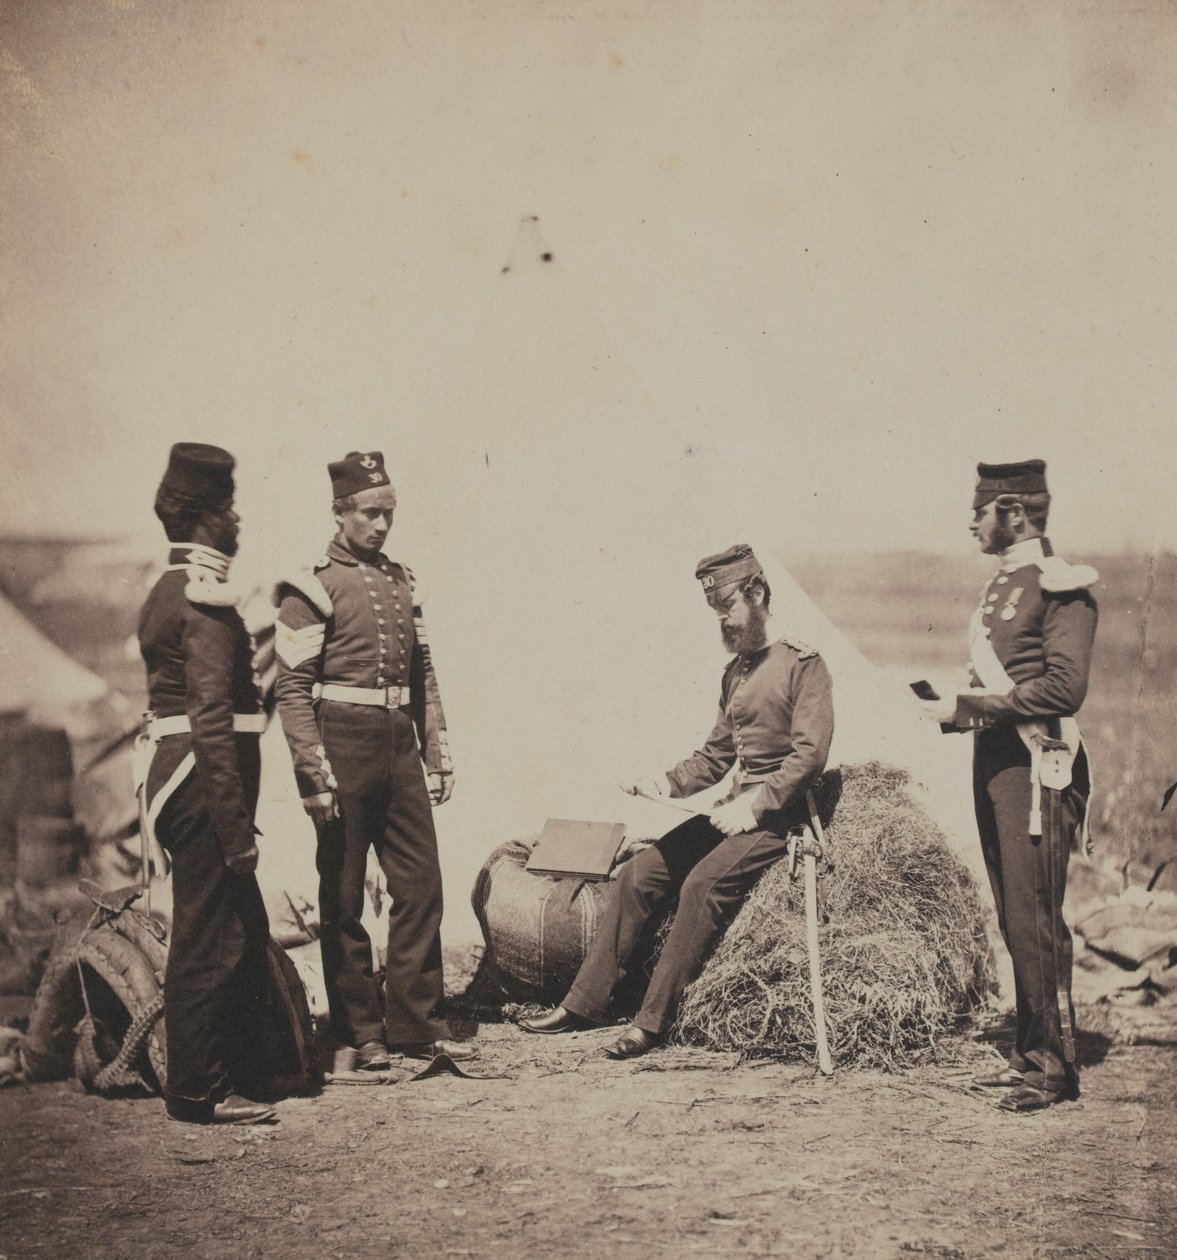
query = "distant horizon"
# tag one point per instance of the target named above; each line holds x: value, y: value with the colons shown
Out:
x: 12, y: 537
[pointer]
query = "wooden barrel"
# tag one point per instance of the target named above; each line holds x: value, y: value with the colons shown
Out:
x: 536, y: 929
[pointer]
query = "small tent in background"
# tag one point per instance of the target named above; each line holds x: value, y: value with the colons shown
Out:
x: 51, y: 690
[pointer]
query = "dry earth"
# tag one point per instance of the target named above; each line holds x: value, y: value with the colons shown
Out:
x: 563, y: 1152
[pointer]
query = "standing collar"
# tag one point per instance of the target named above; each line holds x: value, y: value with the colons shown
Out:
x: 1028, y: 551
x: 188, y: 555
x: 337, y: 550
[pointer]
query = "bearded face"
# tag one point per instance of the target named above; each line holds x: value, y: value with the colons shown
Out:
x: 991, y: 528
x: 219, y: 528
x: 742, y: 620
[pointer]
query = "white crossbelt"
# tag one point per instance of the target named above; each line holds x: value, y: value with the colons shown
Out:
x: 243, y: 724
x: 377, y: 697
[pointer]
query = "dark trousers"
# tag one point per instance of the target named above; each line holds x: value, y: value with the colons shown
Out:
x: 711, y: 874
x: 216, y: 980
x: 383, y: 804
x: 1028, y: 875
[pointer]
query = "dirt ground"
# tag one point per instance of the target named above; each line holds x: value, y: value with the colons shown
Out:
x: 558, y: 1151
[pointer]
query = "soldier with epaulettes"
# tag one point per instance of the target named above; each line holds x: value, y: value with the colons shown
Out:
x: 1031, y: 640
x: 774, y: 725
x: 360, y: 706
x: 199, y: 791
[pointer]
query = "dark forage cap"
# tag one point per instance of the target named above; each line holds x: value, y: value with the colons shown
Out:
x: 1028, y: 477
x: 201, y: 473
x: 733, y: 565
x: 356, y: 471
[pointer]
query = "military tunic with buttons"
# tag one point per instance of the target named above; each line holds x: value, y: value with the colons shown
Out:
x: 201, y: 792
x: 353, y: 629
x: 775, y: 725
x: 1032, y: 640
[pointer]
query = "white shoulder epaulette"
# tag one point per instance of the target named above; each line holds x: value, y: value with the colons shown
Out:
x: 805, y: 650
x: 203, y: 588
x: 306, y: 583
x: 1058, y: 575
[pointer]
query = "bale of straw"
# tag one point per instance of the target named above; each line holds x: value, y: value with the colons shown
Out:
x: 905, y: 955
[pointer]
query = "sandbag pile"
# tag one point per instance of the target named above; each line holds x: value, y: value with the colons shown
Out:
x: 1130, y: 963
x: 905, y: 955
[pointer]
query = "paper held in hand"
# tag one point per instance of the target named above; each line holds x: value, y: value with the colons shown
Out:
x: 584, y: 850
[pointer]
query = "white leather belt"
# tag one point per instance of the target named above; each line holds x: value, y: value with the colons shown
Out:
x: 243, y: 724
x: 377, y: 697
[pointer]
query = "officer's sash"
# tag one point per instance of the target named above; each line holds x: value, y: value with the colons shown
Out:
x: 1052, y: 757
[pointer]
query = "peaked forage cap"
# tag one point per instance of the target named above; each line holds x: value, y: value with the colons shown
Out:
x: 733, y: 565
x: 1027, y: 477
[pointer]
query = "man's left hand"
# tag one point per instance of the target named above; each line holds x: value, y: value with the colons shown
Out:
x: 942, y: 710
x: 736, y: 816
x: 440, y: 787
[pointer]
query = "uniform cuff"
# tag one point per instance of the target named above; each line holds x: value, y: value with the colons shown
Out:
x: 971, y: 712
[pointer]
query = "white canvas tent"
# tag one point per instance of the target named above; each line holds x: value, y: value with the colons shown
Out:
x: 572, y: 644
x: 50, y: 688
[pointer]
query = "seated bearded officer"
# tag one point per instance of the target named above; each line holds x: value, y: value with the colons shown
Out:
x: 775, y: 723
x: 362, y: 713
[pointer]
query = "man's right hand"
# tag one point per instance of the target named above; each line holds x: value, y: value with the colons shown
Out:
x: 645, y: 787
x: 323, y: 809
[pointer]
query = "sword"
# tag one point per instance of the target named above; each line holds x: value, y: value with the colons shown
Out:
x: 661, y: 800
x: 809, y: 844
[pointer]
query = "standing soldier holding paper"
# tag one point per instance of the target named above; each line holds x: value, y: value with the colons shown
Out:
x: 360, y: 705
x: 1030, y: 645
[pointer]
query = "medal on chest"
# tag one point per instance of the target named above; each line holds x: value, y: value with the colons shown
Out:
x: 1009, y: 610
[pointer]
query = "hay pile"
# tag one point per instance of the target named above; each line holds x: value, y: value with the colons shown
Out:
x: 905, y: 955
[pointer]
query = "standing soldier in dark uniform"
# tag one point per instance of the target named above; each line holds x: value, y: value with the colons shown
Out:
x: 361, y: 709
x: 775, y: 724
x: 1030, y: 647
x: 200, y: 794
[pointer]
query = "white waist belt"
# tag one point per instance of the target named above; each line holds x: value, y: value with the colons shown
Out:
x: 377, y: 697
x: 243, y: 724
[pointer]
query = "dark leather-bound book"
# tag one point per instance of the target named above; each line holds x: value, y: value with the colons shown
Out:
x: 584, y: 850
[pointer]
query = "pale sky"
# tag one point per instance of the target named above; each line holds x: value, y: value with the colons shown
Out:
x: 828, y: 255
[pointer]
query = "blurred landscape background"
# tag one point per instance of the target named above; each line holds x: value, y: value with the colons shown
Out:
x: 907, y: 612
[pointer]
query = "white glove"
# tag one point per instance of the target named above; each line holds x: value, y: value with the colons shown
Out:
x: 736, y: 816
